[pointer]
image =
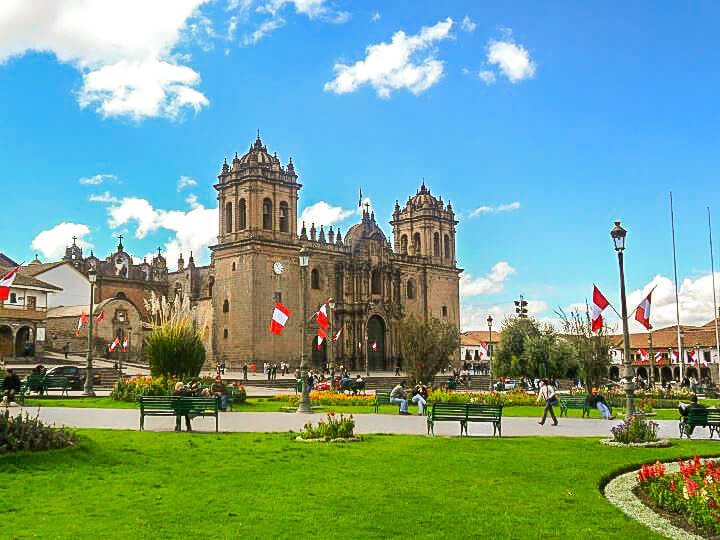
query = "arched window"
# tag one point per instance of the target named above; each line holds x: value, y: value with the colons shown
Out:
x: 267, y: 214
x: 284, y: 217
x: 121, y: 295
x: 228, y: 217
x: 376, y: 282
x: 403, y: 244
x: 436, y: 244
x: 233, y: 266
x: 178, y: 288
x: 315, y: 279
x: 410, y: 289
x: 242, y: 215
x: 447, y: 246
x: 416, y: 243
x: 226, y: 306
x: 225, y: 333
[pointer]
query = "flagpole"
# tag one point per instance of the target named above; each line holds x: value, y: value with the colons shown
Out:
x: 712, y: 270
x: 677, y: 296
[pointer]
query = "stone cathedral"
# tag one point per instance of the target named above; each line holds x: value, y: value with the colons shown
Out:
x: 374, y: 284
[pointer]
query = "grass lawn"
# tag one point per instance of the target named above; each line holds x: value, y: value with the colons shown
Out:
x: 164, y: 485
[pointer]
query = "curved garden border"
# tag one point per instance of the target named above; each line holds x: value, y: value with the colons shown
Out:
x: 661, y: 443
x: 619, y: 491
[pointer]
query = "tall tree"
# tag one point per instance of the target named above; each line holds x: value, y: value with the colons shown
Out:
x: 509, y: 358
x: 427, y: 346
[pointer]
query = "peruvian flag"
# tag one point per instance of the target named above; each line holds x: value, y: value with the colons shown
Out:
x: 114, y: 345
x: 6, y: 282
x: 483, y: 348
x: 642, y: 313
x: 643, y: 355
x: 322, y: 317
x: 82, y: 321
x: 658, y: 356
x: 691, y: 357
x: 280, y: 317
x: 674, y: 356
x: 100, y: 318
x: 125, y: 344
x: 599, y: 303
x: 321, y: 336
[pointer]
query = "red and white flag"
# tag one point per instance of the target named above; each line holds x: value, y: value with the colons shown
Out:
x: 658, y: 356
x: 114, y: 345
x: 321, y: 336
x: 599, y: 303
x: 691, y: 357
x: 280, y: 317
x: 100, y: 318
x: 322, y: 317
x: 125, y: 344
x: 82, y: 321
x: 674, y: 356
x: 642, y: 313
x: 6, y: 282
x: 483, y: 348
x: 643, y: 355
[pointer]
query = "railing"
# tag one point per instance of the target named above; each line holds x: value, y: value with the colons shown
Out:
x: 19, y: 311
x: 7, y: 305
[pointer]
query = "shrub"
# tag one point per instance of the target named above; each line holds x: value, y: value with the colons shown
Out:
x: 332, y: 427
x: 131, y: 389
x: 694, y: 492
x: 174, y: 347
x: 635, y: 430
x: 240, y: 393
x: 22, y: 432
x: 328, y: 398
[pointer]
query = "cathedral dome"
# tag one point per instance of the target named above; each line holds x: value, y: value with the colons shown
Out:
x: 424, y: 198
x: 366, y: 230
x: 258, y: 155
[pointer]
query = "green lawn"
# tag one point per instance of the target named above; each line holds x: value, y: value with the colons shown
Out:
x: 168, y: 485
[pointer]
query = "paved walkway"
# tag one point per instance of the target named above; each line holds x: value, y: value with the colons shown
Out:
x: 365, y: 423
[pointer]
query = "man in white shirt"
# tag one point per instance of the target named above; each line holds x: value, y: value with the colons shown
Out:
x: 547, y: 392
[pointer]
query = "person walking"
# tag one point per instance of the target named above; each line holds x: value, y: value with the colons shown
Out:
x: 66, y: 349
x: 245, y: 370
x: 547, y: 392
x: 397, y: 369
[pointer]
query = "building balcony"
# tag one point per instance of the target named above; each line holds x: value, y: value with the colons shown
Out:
x: 18, y: 311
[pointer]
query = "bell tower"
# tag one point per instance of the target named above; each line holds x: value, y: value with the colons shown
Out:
x: 257, y: 197
x: 425, y: 227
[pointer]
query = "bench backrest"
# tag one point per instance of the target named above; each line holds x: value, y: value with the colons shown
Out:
x: 382, y: 396
x: 449, y: 409
x: 55, y: 381
x: 172, y: 403
x: 482, y: 411
x: 573, y: 400
x: 701, y: 416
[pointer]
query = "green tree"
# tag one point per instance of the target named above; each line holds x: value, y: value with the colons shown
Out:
x: 427, y: 346
x: 592, y: 350
x: 174, y: 347
x: 509, y: 358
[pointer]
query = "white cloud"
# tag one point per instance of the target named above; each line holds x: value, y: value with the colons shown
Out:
x: 486, y: 76
x: 105, y: 197
x: 492, y: 282
x: 408, y: 61
x: 186, y: 181
x: 513, y: 60
x: 265, y: 28
x: 509, y: 207
x: 467, y: 24
x: 376, y: 16
x: 52, y: 242
x: 124, y: 50
x: 194, y: 230
x: 97, y: 179
x: 323, y: 213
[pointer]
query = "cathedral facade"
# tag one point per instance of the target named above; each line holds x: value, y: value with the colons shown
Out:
x: 372, y: 283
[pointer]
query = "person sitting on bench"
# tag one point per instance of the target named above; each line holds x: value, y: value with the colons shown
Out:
x: 181, y: 390
x: 398, y: 397
x: 598, y: 401
x: 420, y: 396
x: 11, y: 386
x: 684, y: 408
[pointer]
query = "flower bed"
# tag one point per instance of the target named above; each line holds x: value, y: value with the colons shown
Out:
x: 22, y: 432
x: 692, y: 493
x: 332, y: 428
x: 634, y: 431
x: 328, y: 398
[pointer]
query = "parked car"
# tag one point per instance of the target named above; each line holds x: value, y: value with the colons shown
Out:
x: 75, y: 376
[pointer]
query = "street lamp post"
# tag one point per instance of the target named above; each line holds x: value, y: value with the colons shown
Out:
x: 304, y: 260
x: 490, y: 348
x: 88, y: 390
x: 330, y: 346
x: 618, y: 235
x: 651, y: 356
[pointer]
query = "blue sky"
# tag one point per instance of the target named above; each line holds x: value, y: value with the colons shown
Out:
x: 584, y: 113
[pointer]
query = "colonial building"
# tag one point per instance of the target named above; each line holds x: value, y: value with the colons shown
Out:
x: 374, y: 286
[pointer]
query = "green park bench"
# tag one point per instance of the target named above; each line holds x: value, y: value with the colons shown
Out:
x: 34, y: 382
x: 477, y: 412
x: 574, y: 402
x: 178, y: 406
x: 446, y: 412
x: 20, y: 396
x: 55, y: 383
x: 709, y: 418
x: 382, y: 397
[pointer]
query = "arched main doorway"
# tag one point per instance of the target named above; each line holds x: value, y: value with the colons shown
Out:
x: 376, y: 343
x: 24, y: 342
x: 6, y: 342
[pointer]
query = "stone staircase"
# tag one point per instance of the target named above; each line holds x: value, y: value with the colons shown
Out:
x: 478, y: 382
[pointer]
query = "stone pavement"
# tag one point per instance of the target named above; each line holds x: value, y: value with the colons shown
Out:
x: 365, y: 423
